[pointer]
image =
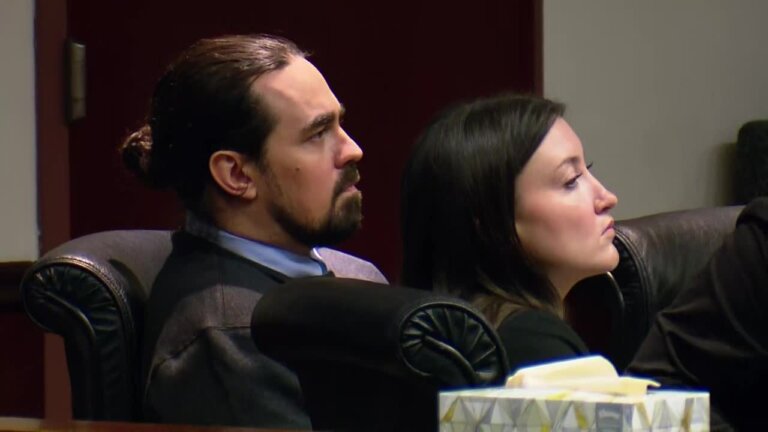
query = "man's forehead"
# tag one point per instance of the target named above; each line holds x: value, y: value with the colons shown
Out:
x: 298, y: 88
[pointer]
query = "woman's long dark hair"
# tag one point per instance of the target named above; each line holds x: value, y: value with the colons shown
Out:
x: 458, y: 205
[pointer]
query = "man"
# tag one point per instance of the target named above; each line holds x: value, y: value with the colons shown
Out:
x: 249, y: 134
x: 715, y: 333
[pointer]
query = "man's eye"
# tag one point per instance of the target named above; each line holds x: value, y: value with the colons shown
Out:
x: 318, y: 135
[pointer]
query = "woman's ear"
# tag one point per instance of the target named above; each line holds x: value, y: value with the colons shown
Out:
x: 230, y: 171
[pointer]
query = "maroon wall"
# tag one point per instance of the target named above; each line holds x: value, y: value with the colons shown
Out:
x: 393, y: 64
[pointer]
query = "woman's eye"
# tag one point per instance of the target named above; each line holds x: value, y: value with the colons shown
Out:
x: 573, y: 182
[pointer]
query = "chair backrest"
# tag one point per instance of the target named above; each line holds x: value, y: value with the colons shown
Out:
x: 751, y: 161
x: 372, y: 357
x: 659, y: 255
x: 91, y: 291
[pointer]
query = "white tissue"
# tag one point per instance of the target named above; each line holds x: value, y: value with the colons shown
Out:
x: 588, y: 374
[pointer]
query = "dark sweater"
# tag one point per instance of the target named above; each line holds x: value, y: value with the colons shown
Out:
x: 533, y: 336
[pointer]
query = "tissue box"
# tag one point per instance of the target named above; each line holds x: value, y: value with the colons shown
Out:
x: 506, y: 409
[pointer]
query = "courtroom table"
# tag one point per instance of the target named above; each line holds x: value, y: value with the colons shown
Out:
x: 18, y: 424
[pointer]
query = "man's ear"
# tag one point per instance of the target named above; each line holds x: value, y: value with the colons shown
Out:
x: 231, y: 172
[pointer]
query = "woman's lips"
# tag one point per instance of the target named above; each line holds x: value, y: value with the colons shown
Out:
x: 609, y: 228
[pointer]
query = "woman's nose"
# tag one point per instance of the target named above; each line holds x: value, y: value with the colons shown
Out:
x: 605, y: 199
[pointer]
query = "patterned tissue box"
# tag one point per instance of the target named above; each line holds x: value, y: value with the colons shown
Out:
x: 513, y: 410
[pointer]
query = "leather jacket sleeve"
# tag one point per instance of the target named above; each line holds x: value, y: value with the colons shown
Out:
x: 715, y: 333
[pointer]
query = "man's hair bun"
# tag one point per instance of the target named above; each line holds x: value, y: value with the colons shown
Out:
x: 136, y: 151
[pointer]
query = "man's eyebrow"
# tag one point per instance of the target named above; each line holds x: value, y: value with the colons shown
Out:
x: 323, y: 120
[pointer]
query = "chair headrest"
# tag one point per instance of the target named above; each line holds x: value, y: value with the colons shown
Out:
x: 109, y: 253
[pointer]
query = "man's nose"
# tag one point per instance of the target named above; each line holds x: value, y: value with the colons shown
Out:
x: 349, y: 151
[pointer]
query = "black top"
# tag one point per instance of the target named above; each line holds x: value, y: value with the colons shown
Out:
x: 714, y: 335
x: 534, y: 336
x: 200, y: 363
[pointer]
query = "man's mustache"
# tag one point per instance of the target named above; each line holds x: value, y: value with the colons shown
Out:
x: 349, y: 176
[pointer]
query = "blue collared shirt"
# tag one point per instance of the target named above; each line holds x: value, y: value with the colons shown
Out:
x: 286, y: 262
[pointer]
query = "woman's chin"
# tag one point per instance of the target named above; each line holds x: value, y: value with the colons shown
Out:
x: 614, y: 259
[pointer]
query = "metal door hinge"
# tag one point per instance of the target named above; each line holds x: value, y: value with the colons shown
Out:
x: 75, y: 69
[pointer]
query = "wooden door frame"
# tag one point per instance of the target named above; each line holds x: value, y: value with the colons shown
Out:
x: 52, y: 178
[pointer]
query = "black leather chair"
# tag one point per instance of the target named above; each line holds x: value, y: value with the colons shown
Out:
x: 91, y: 291
x: 659, y: 255
x: 373, y: 357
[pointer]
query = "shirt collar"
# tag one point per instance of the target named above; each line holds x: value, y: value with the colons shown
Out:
x: 286, y: 262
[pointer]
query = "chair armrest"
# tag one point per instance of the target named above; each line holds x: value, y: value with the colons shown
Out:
x: 398, y: 331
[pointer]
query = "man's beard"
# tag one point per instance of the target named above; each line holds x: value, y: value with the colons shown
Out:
x: 342, y: 220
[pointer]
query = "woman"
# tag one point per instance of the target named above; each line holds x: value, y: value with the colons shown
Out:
x: 500, y: 208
